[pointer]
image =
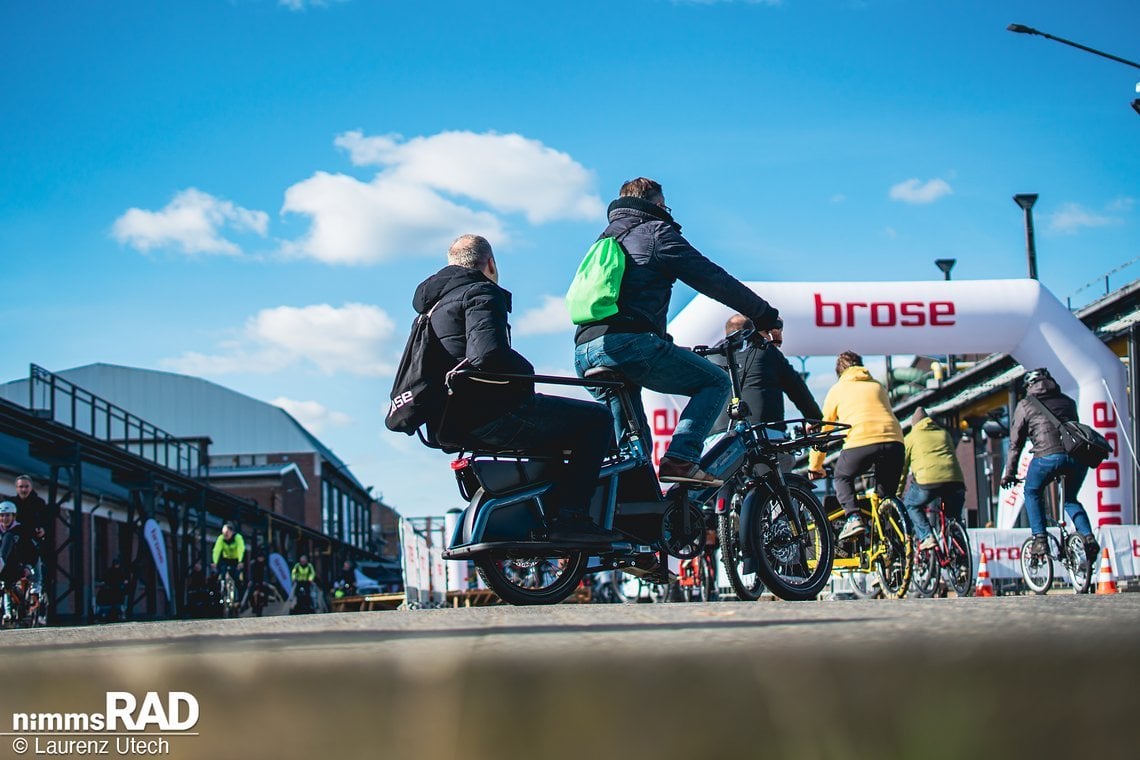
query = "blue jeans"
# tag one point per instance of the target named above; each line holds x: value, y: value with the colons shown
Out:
x: 647, y: 361
x: 550, y: 425
x: 1044, y: 470
x: 918, y: 498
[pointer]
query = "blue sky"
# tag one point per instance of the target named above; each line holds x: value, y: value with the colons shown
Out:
x: 249, y: 190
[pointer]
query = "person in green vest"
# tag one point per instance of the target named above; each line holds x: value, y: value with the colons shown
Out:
x: 929, y: 454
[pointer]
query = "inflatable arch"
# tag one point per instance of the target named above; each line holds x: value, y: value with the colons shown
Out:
x: 1018, y: 317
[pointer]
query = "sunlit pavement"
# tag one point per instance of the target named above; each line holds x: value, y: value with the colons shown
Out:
x: 1008, y: 676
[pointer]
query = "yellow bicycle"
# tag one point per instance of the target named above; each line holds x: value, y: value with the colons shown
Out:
x: 885, y: 548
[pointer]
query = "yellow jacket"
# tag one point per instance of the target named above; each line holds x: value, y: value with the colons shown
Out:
x: 860, y: 401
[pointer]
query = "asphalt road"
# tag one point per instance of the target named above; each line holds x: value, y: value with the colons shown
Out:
x: 1009, y: 676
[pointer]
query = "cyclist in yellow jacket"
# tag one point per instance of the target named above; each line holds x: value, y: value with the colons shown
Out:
x: 229, y: 552
x: 874, y: 441
x: 304, y: 576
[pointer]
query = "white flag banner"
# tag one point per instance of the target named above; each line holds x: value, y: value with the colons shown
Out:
x: 157, y: 543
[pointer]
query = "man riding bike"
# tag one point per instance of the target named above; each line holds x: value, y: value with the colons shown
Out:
x: 634, y: 342
x: 229, y: 552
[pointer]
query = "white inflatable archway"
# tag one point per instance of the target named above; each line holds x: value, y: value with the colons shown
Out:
x: 1018, y: 317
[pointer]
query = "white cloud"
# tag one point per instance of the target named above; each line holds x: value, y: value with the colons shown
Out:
x: 192, y: 221
x: 351, y: 339
x: 419, y: 201
x: 356, y: 222
x: 1121, y: 204
x: 509, y: 173
x: 916, y: 191
x: 1070, y: 218
x: 552, y: 317
x: 314, y: 415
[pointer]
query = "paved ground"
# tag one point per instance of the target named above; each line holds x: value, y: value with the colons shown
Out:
x: 1011, y: 676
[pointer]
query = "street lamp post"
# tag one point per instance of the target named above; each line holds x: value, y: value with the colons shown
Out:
x: 946, y: 265
x: 1026, y: 201
x: 1022, y: 29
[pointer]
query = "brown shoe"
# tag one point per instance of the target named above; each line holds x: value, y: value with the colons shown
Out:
x: 680, y: 471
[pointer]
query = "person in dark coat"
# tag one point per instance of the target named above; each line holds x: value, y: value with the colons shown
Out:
x: 31, y: 510
x: 469, y: 315
x: 1050, y: 462
x: 634, y: 341
x: 766, y: 376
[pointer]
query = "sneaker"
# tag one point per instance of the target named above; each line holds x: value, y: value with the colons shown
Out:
x: 1040, y: 544
x: 928, y: 543
x: 1092, y: 548
x: 576, y: 527
x: 679, y: 471
x: 852, y: 527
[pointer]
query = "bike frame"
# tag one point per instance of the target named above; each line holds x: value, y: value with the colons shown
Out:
x: 504, y: 522
x: 865, y: 557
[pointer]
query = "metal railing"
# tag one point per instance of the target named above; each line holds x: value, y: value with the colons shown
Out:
x: 55, y: 398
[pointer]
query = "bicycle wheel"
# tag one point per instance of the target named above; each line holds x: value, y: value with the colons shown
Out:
x: 924, y: 578
x: 864, y: 585
x: 1080, y: 568
x: 748, y: 586
x: 533, y: 580
x: 895, y: 551
x: 229, y: 596
x: 1037, y: 569
x: 795, y: 567
x: 708, y: 579
x: 960, y: 562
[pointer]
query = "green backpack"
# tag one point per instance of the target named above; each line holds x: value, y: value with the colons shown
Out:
x: 594, y: 292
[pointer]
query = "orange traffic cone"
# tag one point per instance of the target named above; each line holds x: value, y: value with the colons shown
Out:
x: 1105, y: 583
x: 983, y: 587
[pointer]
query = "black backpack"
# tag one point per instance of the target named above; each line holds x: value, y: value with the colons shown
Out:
x: 418, y: 389
x: 1080, y: 441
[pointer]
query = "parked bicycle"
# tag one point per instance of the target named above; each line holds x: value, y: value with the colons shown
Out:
x: 884, y: 554
x: 1064, y: 547
x: 949, y: 562
x: 779, y: 525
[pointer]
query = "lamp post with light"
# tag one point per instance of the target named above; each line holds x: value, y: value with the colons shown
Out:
x: 1022, y: 29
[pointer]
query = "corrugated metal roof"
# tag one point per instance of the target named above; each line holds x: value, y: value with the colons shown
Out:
x: 189, y: 407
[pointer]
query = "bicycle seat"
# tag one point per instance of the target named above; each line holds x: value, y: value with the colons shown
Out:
x: 608, y: 374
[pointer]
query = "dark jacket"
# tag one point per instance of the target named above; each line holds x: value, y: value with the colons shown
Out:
x: 32, y: 512
x: 471, y: 323
x: 765, y: 376
x: 657, y: 257
x: 1029, y: 422
x: 16, y: 552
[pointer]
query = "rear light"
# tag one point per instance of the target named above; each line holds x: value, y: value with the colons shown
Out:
x: 721, y: 505
x: 460, y: 464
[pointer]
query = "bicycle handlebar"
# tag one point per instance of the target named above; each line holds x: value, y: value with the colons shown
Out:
x: 732, y: 342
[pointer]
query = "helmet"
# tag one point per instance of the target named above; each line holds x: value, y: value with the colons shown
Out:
x: 1034, y: 375
x: 7, y: 508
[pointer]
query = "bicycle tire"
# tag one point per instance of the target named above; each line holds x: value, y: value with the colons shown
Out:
x: 747, y: 586
x: 534, y: 580
x: 794, y: 570
x: 1079, y: 565
x: 1037, y: 569
x: 926, y: 573
x: 896, y: 560
x: 960, y: 561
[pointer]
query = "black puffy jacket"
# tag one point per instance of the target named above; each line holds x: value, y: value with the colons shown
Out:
x: 658, y: 257
x: 1030, y: 423
x: 471, y: 323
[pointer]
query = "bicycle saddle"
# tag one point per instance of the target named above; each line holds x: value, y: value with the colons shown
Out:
x: 606, y: 373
